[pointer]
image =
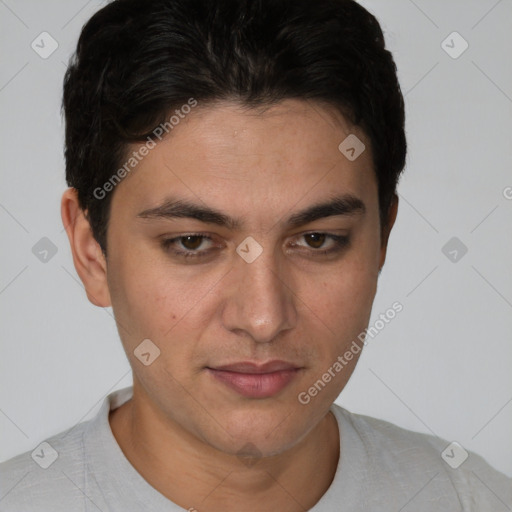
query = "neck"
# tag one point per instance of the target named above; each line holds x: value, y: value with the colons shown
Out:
x: 194, y: 474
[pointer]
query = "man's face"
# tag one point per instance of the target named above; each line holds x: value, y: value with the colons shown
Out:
x: 292, y: 303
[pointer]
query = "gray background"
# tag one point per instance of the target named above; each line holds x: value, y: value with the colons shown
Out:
x: 441, y: 366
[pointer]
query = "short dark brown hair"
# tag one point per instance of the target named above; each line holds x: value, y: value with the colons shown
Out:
x: 138, y: 60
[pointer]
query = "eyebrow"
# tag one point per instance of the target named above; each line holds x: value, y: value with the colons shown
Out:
x: 173, y: 208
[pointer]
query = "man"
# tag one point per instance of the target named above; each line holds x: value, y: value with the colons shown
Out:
x: 232, y: 169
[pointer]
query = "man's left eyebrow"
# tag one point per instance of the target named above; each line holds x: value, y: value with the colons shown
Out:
x: 346, y: 205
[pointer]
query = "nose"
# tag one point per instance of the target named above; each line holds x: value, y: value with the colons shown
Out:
x: 261, y: 302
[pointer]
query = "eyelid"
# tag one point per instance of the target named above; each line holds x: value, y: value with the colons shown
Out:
x: 339, y: 242
x: 336, y: 239
x: 169, y: 241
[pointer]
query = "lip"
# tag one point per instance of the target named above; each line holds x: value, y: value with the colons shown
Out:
x: 256, y: 380
x: 255, y: 368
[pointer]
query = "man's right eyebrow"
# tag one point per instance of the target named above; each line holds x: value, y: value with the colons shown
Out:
x: 171, y: 208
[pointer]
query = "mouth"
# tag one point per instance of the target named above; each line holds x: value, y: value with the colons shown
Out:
x: 253, y: 380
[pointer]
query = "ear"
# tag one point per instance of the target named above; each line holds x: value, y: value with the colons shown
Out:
x: 386, y: 230
x: 90, y: 263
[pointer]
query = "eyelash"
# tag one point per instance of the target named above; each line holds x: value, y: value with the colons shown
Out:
x: 340, y: 242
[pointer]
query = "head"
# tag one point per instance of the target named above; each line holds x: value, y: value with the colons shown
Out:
x: 226, y: 121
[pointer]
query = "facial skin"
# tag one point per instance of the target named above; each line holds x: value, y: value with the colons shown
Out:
x: 183, y: 429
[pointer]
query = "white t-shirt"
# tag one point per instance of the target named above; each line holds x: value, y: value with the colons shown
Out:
x: 381, y: 468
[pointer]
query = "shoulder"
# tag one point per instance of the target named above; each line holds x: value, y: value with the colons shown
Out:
x: 47, y: 477
x: 397, y: 457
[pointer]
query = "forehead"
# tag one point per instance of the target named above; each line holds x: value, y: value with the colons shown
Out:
x: 268, y: 158
x: 292, y: 131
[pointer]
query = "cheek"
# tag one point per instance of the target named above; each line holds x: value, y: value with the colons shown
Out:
x: 143, y: 300
x: 349, y: 312
x: 145, y: 289
x: 347, y: 292
x: 344, y: 307
x: 343, y: 304
x: 159, y: 302
x: 151, y: 302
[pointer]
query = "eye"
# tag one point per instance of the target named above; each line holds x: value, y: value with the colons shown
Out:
x: 316, y: 241
x: 191, y: 242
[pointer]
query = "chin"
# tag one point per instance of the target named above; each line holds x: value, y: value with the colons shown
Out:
x: 262, y: 433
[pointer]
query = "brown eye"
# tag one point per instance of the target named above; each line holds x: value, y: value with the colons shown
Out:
x: 191, y: 242
x: 188, y: 246
x: 323, y: 244
x: 315, y: 240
